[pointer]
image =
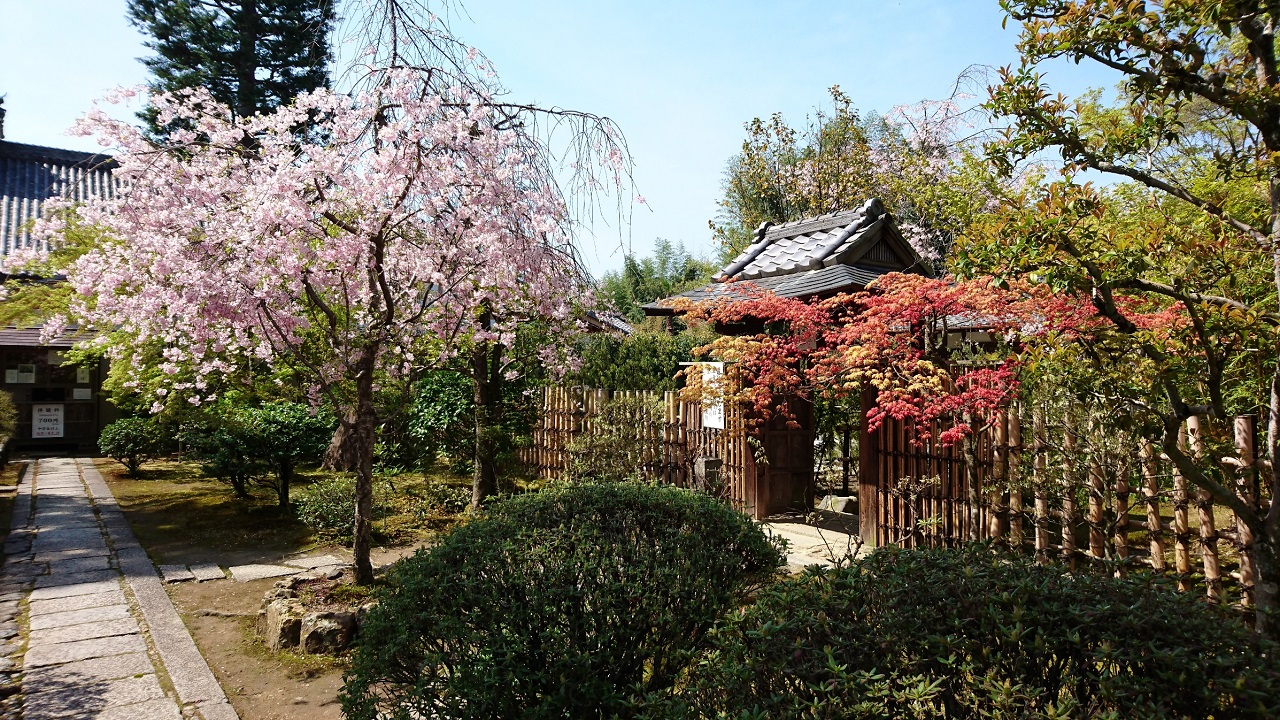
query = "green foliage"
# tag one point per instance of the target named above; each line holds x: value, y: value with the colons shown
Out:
x: 669, y: 271
x: 252, y: 57
x: 8, y: 417
x: 974, y: 634
x: 648, y: 359
x: 329, y: 507
x: 561, y: 603
x: 612, y: 449
x: 239, y: 444
x: 442, y: 420
x: 131, y: 442
x: 33, y: 293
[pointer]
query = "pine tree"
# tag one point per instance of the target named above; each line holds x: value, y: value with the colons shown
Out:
x: 252, y: 55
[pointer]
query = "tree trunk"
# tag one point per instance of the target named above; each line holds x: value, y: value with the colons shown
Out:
x: 284, y: 474
x: 486, y: 374
x: 247, y: 59
x: 343, y: 453
x: 363, y: 430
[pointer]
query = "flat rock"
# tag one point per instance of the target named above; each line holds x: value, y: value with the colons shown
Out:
x: 83, y: 650
x: 78, y: 699
x: 245, y: 573
x: 87, y: 671
x: 320, y: 561
x: 78, y: 617
x: 113, y: 596
x: 58, y: 577
x: 85, y: 588
x: 175, y: 573
x: 207, y: 571
x: 82, y: 564
x: 84, y: 631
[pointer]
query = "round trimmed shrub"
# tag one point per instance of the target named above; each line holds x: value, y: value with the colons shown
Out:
x: 131, y: 442
x: 328, y: 507
x: 564, y: 603
x: 975, y: 634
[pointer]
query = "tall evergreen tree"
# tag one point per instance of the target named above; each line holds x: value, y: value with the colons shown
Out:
x: 252, y: 55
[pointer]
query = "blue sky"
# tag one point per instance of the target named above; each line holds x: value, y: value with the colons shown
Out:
x: 680, y: 78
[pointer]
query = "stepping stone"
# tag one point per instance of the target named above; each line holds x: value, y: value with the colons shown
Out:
x: 113, y: 596
x: 59, y: 653
x: 76, y: 700
x: 245, y: 573
x: 77, y: 617
x: 208, y: 571
x: 176, y: 573
x: 84, y: 631
x: 86, y: 671
x: 311, y: 563
x: 84, y: 588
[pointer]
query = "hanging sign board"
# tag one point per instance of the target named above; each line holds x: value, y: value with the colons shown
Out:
x: 46, y: 421
x: 82, y: 376
x: 713, y: 412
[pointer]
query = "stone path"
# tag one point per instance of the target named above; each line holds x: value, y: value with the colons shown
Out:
x: 808, y: 544
x: 102, y: 638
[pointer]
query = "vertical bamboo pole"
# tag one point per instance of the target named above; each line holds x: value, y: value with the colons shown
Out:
x: 1069, y: 495
x: 1204, y: 508
x: 971, y: 482
x: 1000, y: 461
x: 1151, y: 490
x: 1014, y: 477
x: 1120, y: 538
x: 1097, y: 496
x: 1181, y: 522
x: 1246, y: 489
x: 1039, y: 468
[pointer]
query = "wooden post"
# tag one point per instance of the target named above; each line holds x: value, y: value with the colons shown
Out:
x: 1120, y: 539
x: 1181, y: 522
x: 1014, y: 454
x: 1039, y: 467
x: 971, y: 481
x: 1247, y: 490
x: 1097, y: 495
x: 1069, y: 495
x: 997, y: 519
x: 1208, y: 533
x: 1151, y: 490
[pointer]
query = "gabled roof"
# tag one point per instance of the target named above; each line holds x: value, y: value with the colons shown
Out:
x: 31, y: 174
x: 819, y: 256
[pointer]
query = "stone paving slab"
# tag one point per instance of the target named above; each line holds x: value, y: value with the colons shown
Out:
x: 77, y: 617
x: 176, y: 573
x: 89, y: 671
x: 245, y: 573
x: 114, y: 596
x: 84, y: 631
x: 70, y: 554
x: 207, y: 571
x: 74, y: 699
x: 59, y: 653
x: 84, y: 588
x: 164, y: 709
x: 311, y: 563
x: 71, y: 577
x: 82, y: 564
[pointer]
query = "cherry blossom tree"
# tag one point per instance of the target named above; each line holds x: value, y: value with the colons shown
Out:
x: 405, y: 225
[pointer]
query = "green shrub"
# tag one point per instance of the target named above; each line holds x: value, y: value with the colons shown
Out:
x: 437, y: 498
x: 239, y: 444
x: 328, y: 507
x: 973, y: 634
x: 560, y: 603
x: 132, y: 442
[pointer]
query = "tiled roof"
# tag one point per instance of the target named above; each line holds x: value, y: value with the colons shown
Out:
x: 823, y: 281
x: 823, y: 255
x: 30, y: 174
x: 30, y: 337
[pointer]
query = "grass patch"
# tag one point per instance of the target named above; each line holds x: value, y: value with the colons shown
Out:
x: 296, y: 665
x: 10, y: 474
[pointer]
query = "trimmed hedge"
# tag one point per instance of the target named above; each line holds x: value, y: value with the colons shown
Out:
x: 131, y: 442
x: 975, y: 634
x: 568, y: 602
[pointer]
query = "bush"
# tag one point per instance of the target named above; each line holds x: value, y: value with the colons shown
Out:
x: 239, y: 444
x: 329, y: 507
x: 561, y: 603
x: 973, y: 634
x: 132, y: 442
